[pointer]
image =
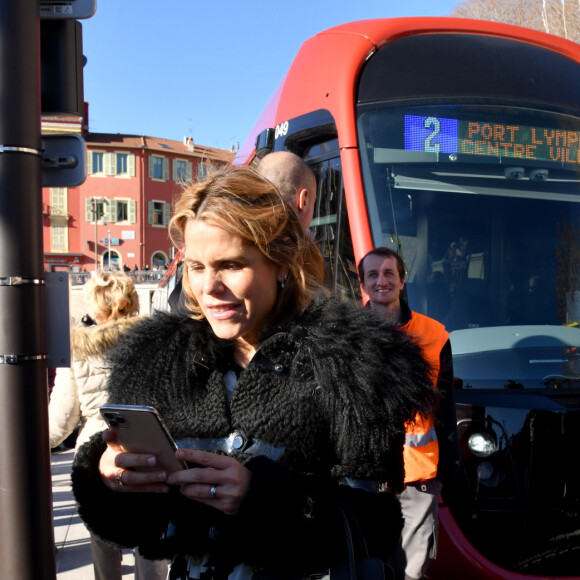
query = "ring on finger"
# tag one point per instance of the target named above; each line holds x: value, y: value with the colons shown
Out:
x: 212, y: 491
x: 119, y: 477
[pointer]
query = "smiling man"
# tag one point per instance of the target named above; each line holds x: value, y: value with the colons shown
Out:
x: 382, y: 276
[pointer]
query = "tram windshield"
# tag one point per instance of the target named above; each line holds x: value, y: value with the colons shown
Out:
x: 484, y: 205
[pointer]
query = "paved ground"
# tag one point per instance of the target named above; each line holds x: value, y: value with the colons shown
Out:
x: 73, y: 556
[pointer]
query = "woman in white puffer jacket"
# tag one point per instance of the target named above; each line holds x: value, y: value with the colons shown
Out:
x: 80, y: 390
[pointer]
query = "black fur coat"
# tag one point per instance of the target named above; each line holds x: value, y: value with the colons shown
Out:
x: 332, y: 385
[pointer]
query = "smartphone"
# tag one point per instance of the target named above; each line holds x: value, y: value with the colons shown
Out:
x: 139, y: 429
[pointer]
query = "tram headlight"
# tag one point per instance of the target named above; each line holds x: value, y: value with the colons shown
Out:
x: 485, y: 471
x: 515, y: 172
x: 482, y: 444
x: 539, y: 174
x: 490, y: 475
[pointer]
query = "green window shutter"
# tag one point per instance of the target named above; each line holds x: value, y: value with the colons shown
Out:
x: 166, y: 213
x: 150, y: 166
x: 133, y: 211
x: 89, y: 162
x: 89, y: 215
x: 150, y: 210
x: 131, y: 164
x: 111, y: 211
x: 110, y: 162
x: 165, y: 169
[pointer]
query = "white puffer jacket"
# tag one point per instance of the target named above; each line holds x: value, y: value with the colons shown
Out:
x: 80, y: 390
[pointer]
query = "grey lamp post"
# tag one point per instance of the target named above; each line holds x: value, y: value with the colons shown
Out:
x: 95, y: 202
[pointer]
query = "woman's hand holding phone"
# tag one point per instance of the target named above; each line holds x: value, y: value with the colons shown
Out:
x: 139, y: 429
x: 124, y: 471
x: 140, y: 450
x: 220, y: 481
x: 141, y: 456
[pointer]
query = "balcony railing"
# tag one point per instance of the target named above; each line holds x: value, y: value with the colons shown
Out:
x: 52, y: 211
x: 139, y: 276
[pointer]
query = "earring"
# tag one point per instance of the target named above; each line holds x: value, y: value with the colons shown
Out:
x: 282, y: 283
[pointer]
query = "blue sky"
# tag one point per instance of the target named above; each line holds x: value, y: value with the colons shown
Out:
x: 205, y: 68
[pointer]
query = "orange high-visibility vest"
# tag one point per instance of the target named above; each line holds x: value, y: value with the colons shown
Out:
x: 421, y: 450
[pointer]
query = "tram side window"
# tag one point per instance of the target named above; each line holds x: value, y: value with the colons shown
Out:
x: 331, y: 230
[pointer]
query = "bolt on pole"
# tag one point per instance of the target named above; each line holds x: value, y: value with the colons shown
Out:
x: 26, y: 521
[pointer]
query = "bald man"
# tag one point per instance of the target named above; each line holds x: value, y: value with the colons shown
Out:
x: 294, y: 179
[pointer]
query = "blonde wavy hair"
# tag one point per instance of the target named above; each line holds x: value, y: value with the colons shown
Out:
x: 111, y: 295
x: 245, y: 204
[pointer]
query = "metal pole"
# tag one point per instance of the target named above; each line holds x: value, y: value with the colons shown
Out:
x: 26, y: 522
x: 109, y: 243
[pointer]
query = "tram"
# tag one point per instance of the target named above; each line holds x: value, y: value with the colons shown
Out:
x: 456, y: 143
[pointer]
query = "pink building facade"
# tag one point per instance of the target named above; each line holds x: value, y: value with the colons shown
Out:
x: 118, y: 217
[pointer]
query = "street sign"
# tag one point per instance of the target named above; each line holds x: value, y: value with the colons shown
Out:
x: 111, y: 242
x: 63, y: 160
x: 67, y: 9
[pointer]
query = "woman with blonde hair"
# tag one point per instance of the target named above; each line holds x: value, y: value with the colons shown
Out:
x: 276, y: 394
x: 80, y: 390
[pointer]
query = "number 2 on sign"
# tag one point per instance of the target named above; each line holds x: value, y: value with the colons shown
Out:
x: 434, y: 124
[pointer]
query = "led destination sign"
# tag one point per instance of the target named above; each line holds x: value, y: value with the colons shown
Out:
x: 490, y: 139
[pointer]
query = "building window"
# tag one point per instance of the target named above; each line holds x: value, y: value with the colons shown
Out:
x: 59, y: 237
x: 181, y: 170
x: 157, y: 168
x: 204, y: 169
x: 96, y: 209
x: 100, y: 209
x: 159, y: 213
x: 58, y: 201
x: 98, y: 162
x: 103, y: 163
x: 122, y: 211
x: 159, y: 261
x: 122, y: 165
x: 111, y: 260
x: 119, y: 210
